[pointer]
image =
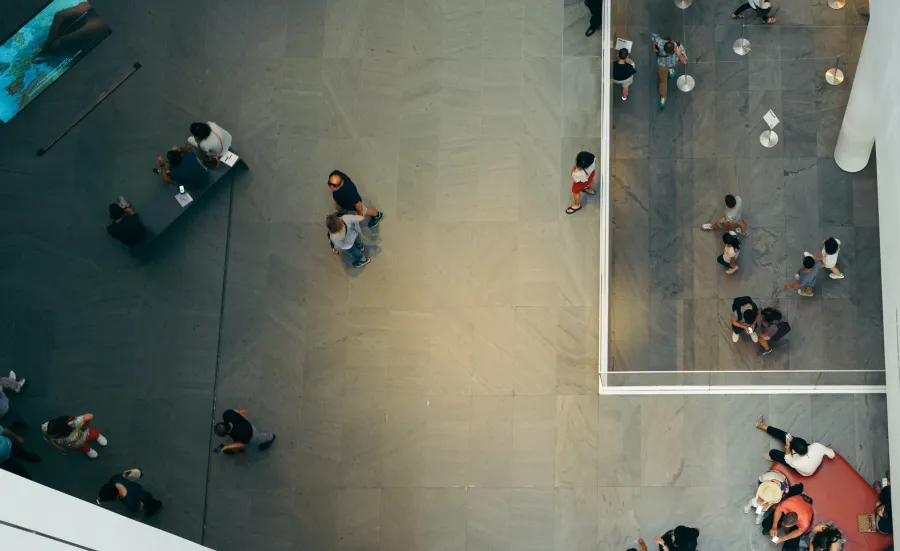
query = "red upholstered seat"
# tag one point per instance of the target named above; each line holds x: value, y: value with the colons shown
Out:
x: 839, y: 494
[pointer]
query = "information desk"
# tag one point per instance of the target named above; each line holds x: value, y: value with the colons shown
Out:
x: 158, y: 215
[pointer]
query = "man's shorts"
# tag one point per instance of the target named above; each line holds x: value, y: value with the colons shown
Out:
x: 625, y: 83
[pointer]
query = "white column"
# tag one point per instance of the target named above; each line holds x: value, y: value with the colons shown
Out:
x: 857, y: 137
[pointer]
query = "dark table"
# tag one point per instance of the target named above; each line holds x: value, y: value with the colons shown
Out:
x: 157, y: 216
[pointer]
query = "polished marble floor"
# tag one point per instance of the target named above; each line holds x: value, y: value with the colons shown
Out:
x: 670, y: 299
x: 445, y: 396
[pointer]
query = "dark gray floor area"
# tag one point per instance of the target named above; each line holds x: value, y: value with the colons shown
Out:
x: 670, y: 300
x: 445, y: 398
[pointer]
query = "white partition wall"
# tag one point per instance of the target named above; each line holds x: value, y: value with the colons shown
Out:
x: 37, y: 518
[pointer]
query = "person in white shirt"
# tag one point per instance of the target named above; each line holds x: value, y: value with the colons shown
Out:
x: 582, y: 179
x: 343, y: 233
x: 829, y: 257
x: 729, y: 256
x: 802, y: 457
x: 761, y: 7
x: 210, y: 138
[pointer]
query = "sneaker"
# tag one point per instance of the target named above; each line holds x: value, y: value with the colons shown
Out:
x: 730, y: 271
x: 361, y: 263
x: 836, y: 276
x: 19, y: 384
x: 738, y: 230
x: 92, y: 453
x: 802, y: 294
x: 706, y: 227
x: 122, y: 202
x: 807, y: 253
x: 12, y: 375
x: 102, y: 440
x: 266, y: 445
x: 624, y: 98
x: 376, y: 219
x: 671, y: 73
x: 662, y: 102
x: 767, y: 457
x: 754, y: 337
x: 735, y: 337
x: 759, y: 519
x: 760, y: 420
x: 746, y: 508
x: 765, y: 352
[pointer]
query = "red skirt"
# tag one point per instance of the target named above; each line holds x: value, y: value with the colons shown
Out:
x: 578, y: 187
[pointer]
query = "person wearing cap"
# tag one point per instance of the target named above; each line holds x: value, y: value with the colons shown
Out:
x: 772, y: 487
x: 130, y: 493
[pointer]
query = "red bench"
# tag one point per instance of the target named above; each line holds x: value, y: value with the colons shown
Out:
x: 839, y: 494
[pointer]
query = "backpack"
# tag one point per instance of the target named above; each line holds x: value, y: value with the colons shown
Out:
x: 783, y: 329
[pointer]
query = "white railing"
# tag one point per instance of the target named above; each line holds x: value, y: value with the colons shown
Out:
x: 605, y: 185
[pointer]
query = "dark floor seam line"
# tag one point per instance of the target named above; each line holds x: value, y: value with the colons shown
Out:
x: 215, y: 393
x: 47, y: 536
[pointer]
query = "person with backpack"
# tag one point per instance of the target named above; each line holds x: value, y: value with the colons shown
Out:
x: 124, y: 487
x: 800, y: 456
x: 772, y: 329
x: 583, y: 172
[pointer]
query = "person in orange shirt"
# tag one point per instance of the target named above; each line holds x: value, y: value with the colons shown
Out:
x: 794, y: 515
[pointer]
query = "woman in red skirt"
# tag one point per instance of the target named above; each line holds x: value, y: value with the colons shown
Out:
x: 582, y: 179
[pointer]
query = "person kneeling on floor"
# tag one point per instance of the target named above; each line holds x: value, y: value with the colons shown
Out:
x: 794, y: 517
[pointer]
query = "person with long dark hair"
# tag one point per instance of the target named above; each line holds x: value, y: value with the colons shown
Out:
x: 729, y: 256
x: 826, y: 537
x: 73, y: 433
x: 883, y: 513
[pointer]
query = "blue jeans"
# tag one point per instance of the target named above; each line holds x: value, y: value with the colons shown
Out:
x: 355, y: 251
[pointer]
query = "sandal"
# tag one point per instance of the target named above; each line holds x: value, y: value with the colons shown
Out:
x: 589, y: 192
x: 770, y: 20
x: 572, y: 210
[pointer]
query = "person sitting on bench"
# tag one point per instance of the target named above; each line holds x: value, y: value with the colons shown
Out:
x: 126, y: 224
x: 182, y: 166
x: 794, y: 515
x: 210, y: 139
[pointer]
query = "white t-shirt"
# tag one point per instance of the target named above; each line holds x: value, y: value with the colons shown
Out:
x: 730, y: 253
x: 584, y: 175
x: 760, y: 4
x: 211, y: 144
x: 807, y: 464
x: 830, y: 260
x: 345, y: 239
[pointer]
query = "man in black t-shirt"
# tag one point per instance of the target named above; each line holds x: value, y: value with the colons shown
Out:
x: 130, y: 493
x: 126, y: 224
x: 623, y: 72
x: 242, y: 432
x: 744, y: 319
x: 347, y: 198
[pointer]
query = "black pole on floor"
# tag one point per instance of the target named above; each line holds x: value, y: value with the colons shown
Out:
x: 215, y: 394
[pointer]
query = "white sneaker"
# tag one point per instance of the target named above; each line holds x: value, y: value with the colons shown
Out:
x: 759, y: 519
x: 12, y: 375
x: 735, y: 337
x: 754, y: 337
x: 836, y: 276
x: 102, y: 440
x: 92, y: 454
x: 19, y: 384
x: 706, y: 227
x: 730, y: 271
x: 807, y: 253
x: 746, y: 508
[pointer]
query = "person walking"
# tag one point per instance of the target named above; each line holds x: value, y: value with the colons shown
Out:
x: 132, y: 495
x: 343, y: 234
x: 242, y: 432
x: 729, y: 256
x: 733, y: 219
x: 668, y: 53
x: 681, y: 538
x: 583, y: 172
x: 623, y: 70
x: 73, y: 433
x: 772, y: 329
x: 805, y: 279
x: 596, y: 8
x: 761, y: 7
x: 745, y: 316
x: 829, y: 257
x: 800, y: 456
x: 10, y: 450
x: 347, y: 198
x: 10, y: 383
